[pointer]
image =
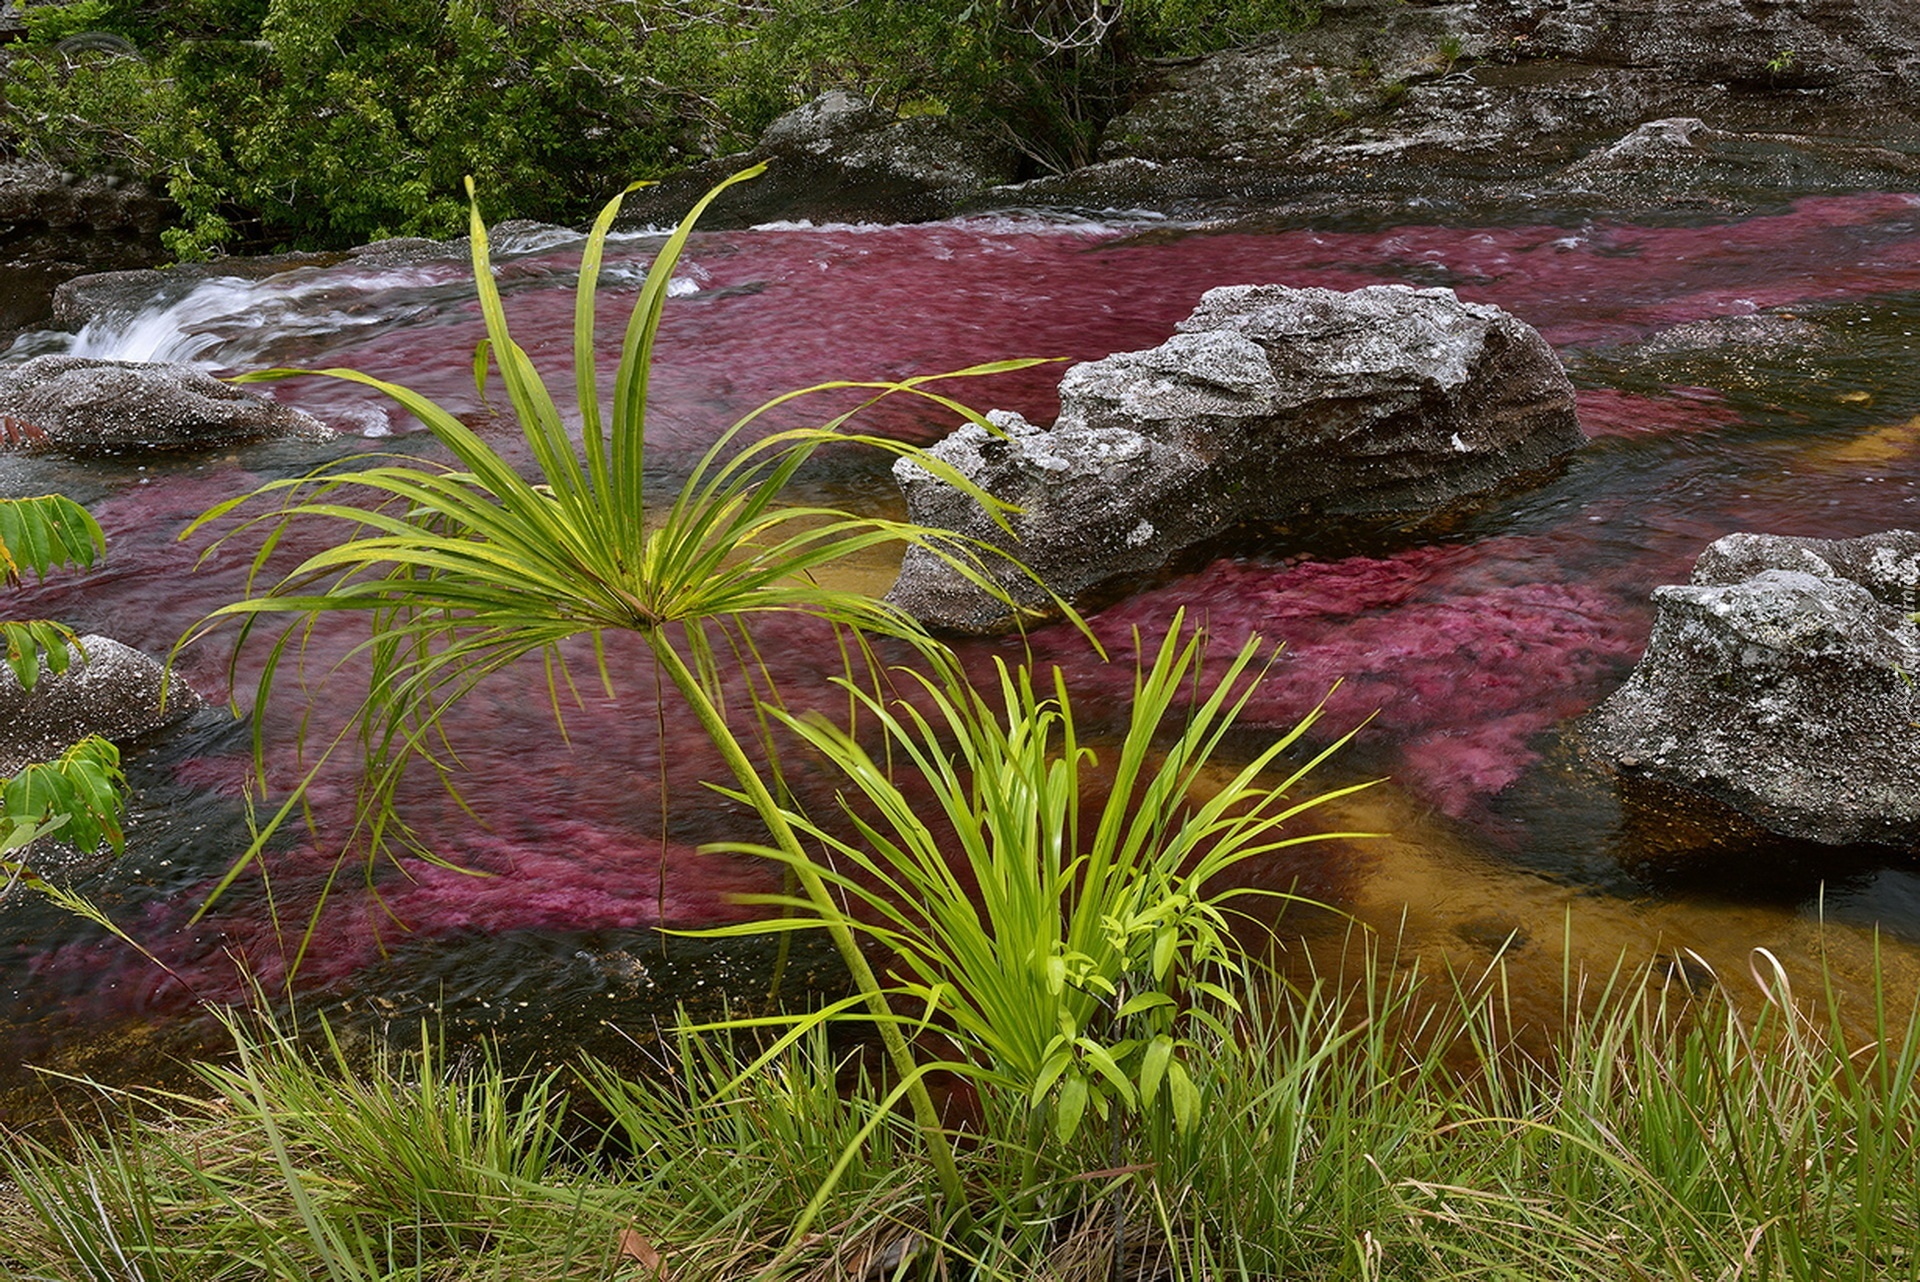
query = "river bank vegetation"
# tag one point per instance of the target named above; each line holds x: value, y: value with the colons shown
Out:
x: 289, y: 123
x: 1400, y: 1129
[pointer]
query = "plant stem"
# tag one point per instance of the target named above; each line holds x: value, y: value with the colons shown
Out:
x: 714, y: 722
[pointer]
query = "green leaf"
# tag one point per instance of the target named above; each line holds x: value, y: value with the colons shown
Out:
x: 1153, y: 1067
x: 1183, y: 1095
x: 1140, y: 1002
x: 1106, y: 1063
x: 1165, y: 943
x: 1070, y: 1107
x: 39, y: 533
x: 79, y: 791
x: 35, y: 644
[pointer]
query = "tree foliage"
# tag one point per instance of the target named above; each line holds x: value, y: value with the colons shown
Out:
x: 320, y: 123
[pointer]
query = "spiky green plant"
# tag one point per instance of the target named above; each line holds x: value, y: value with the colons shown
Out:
x: 467, y: 569
x: 1064, y: 930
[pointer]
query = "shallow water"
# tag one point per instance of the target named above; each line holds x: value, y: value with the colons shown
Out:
x: 1469, y: 645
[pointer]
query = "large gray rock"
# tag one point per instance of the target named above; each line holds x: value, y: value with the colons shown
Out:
x: 33, y: 195
x: 837, y: 159
x: 82, y: 406
x: 1269, y: 403
x: 1780, y: 683
x: 108, y: 689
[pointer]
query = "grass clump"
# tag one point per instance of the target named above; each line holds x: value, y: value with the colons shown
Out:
x: 1397, y: 1126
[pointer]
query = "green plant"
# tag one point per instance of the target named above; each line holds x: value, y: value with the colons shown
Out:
x: 273, y: 122
x: 465, y: 570
x: 1062, y: 929
x: 1369, y: 1119
x: 77, y: 794
x: 301, y: 122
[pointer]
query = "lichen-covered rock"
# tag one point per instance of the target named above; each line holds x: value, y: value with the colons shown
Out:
x: 37, y: 195
x: 55, y: 226
x: 82, y: 406
x: 1269, y: 403
x: 108, y: 689
x: 1780, y: 683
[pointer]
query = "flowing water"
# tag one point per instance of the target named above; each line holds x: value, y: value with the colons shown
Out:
x: 1470, y: 646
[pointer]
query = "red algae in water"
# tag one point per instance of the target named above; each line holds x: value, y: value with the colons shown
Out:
x: 1467, y: 651
x: 1461, y: 656
x: 1605, y: 411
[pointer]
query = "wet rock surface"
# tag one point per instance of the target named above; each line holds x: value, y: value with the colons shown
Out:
x: 1269, y: 403
x: 548, y: 996
x: 55, y: 226
x: 1779, y: 684
x: 84, y: 407
x: 108, y: 689
x: 109, y: 293
x: 836, y: 159
x: 1619, y: 105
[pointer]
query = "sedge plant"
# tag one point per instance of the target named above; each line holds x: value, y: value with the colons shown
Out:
x: 1060, y: 924
x: 466, y: 569
x: 1397, y: 1123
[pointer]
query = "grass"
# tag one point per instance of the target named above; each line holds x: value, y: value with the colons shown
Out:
x: 1391, y: 1127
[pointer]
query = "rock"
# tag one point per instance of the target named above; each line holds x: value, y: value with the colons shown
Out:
x: 1770, y: 332
x: 81, y: 406
x: 109, y: 689
x: 37, y: 195
x: 54, y: 227
x: 1852, y: 45
x: 1268, y: 404
x: 832, y: 115
x: 1778, y: 683
x: 837, y: 159
x: 1614, y: 106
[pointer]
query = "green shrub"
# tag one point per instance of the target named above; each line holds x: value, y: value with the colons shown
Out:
x: 318, y: 123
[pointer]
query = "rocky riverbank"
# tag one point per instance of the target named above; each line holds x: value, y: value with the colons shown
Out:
x: 1594, y: 106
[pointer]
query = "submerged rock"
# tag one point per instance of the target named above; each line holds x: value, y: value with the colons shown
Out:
x: 108, y: 689
x: 1268, y: 403
x: 1780, y: 683
x: 82, y: 406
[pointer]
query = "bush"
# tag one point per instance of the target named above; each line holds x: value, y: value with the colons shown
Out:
x: 315, y: 123
x: 318, y: 123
